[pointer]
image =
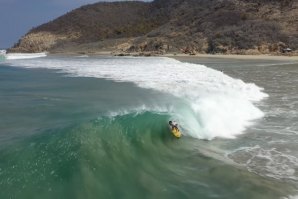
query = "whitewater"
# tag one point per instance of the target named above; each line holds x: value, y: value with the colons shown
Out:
x: 22, y: 56
x: 79, y: 126
x: 215, y: 105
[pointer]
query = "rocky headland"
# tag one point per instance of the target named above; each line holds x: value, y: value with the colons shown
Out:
x: 177, y: 26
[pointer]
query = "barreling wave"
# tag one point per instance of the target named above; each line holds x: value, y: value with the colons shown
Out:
x: 131, y: 154
x: 212, y: 103
x: 103, y: 152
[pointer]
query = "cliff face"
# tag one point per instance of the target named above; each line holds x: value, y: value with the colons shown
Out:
x: 189, y: 26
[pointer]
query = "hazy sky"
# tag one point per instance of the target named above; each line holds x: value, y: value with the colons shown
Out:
x: 17, y: 17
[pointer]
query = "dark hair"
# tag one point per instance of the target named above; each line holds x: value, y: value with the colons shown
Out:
x: 170, y: 122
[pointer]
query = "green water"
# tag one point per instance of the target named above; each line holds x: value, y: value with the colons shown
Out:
x: 127, y: 157
x: 2, y: 58
x: 59, y: 138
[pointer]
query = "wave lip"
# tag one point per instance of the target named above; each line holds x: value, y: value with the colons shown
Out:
x: 13, y: 56
x: 216, y: 105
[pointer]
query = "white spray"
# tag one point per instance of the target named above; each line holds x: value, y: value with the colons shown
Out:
x: 218, y: 105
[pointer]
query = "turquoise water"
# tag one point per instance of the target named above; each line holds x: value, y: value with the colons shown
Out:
x: 66, y: 136
x: 2, y: 58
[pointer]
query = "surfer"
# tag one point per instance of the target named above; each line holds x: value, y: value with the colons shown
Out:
x: 174, y: 129
x: 173, y: 125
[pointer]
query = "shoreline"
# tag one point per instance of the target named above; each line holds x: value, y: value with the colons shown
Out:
x: 197, y: 56
x: 182, y: 56
x: 239, y: 57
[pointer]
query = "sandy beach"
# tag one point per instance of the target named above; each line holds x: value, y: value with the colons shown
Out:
x: 217, y: 56
x: 253, y: 57
x: 181, y: 55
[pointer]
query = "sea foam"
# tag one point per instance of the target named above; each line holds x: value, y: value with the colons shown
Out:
x: 13, y: 56
x: 218, y: 105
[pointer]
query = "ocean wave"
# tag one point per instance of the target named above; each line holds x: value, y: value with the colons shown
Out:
x: 14, y: 56
x: 215, y: 105
x: 139, y: 110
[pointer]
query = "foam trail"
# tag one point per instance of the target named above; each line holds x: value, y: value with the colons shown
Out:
x: 13, y: 56
x: 216, y: 104
x: 291, y: 197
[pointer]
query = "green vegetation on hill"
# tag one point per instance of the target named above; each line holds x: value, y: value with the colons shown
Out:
x: 189, y: 26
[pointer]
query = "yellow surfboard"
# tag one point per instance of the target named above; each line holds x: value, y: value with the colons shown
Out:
x: 176, y: 132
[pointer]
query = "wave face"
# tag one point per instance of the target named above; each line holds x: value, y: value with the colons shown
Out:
x: 212, y: 103
x: 14, y: 56
x: 130, y: 155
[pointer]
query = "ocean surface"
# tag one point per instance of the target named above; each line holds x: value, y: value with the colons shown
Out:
x: 96, y: 127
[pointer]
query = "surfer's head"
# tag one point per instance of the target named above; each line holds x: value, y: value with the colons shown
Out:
x: 170, y: 122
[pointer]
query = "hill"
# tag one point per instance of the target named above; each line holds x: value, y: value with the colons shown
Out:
x: 163, y: 26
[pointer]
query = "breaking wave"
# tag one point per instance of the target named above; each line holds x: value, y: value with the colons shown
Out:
x: 212, y: 103
x: 14, y: 56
